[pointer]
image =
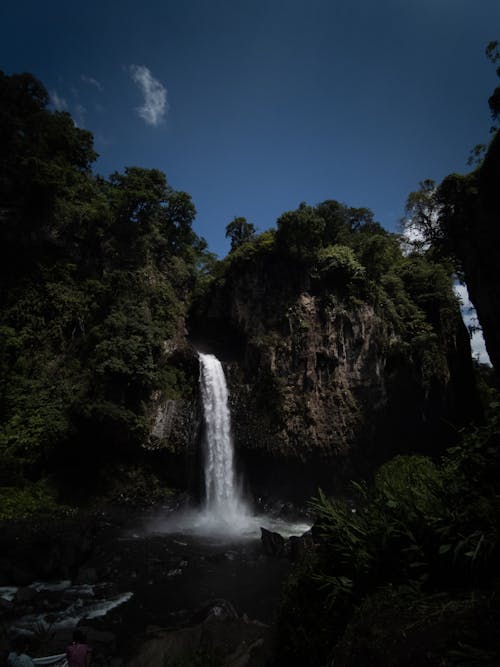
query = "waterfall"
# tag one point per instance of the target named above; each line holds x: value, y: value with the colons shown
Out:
x: 225, y: 513
x: 222, y: 497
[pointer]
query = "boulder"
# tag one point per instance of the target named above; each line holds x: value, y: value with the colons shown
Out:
x: 273, y: 544
x: 224, y: 640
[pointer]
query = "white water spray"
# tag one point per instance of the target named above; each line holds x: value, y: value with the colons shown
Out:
x: 223, y: 498
x: 225, y: 514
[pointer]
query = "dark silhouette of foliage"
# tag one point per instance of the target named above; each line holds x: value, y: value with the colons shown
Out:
x: 421, y: 527
x: 300, y: 233
x: 239, y: 231
x: 95, y: 277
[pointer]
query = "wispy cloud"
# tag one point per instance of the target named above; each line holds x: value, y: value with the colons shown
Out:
x: 92, y: 82
x: 155, y: 104
x: 58, y: 102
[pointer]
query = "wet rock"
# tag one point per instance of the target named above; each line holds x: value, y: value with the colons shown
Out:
x: 273, y: 544
x: 222, y: 609
x: 232, y: 641
x: 86, y: 575
x: 25, y: 594
x: 322, y: 378
x: 5, y: 609
x: 19, y: 577
x: 105, y: 641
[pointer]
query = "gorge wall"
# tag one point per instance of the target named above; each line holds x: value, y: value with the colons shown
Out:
x: 469, y: 218
x: 323, y: 385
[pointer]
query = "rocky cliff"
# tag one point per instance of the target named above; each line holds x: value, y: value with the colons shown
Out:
x: 326, y: 380
x: 469, y: 217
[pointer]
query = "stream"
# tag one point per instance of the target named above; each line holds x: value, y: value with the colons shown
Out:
x: 163, y: 568
x: 171, y: 567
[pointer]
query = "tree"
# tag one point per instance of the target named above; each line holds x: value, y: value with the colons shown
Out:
x: 44, y: 160
x: 342, y: 221
x: 239, y: 231
x: 421, y: 223
x: 300, y: 233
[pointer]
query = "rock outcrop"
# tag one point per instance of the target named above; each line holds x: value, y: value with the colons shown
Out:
x: 221, y: 636
x: 324, y: 383
x: 470, y: 219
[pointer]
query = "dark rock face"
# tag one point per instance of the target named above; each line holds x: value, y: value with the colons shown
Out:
x: 320, y: 383
x: 175, y: 418
x: 273, y: 544
x: 231, y: 641
x: 174, y: 414
x: 294, y: 548
x: 475, y: 237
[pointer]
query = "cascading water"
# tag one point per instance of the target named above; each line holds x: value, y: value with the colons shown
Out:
x: 223, y: 500
x: 225, y: 513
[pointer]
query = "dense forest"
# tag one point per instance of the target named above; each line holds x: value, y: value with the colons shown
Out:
x: 347, y: 359
x: 96, y: 275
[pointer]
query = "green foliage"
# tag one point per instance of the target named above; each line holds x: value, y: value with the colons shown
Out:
x: 421, y: 526
x: 31, y: 502
x: 44, y: 157
x: 300, y: 232
x: 251, y: 250
x: 340, y: 252
x: 136, y: 486
x: 378, y: 251
x: 455, y: 222
x: 342, y: 222
x: 95, y: 275
x: 239, y: 231
x: 337, y: 264
x: 421, y: 224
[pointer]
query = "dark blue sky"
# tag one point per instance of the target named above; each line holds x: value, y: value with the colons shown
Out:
x: 268, y: 103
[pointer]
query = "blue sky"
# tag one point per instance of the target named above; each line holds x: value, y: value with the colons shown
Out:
x: 255, y: 106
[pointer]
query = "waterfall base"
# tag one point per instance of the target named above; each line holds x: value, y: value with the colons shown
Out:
x: 224, y: 526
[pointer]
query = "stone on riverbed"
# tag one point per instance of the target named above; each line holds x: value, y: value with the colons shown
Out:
x: 232, y: 641
x: 272, y: 543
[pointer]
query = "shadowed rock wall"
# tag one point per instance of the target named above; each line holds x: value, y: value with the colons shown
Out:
x: 322, y: 385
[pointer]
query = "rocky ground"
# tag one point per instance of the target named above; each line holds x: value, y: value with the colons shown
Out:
x: 143, y: 597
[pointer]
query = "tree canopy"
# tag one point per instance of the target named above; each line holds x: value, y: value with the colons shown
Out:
x: 95, y: 276
x: 239, y: 231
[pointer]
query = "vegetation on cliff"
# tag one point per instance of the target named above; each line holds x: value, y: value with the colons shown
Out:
x: 455, y: 222
x: 339, y: 337
x: 96, y: 274
x: 339, y: 252
x: 405, y: 571
x: 338, y: 331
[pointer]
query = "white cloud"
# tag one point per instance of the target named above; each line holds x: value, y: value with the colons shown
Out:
x: 58, y: 102
x: 469, y: 316
x: 91, y: 81
x: 155, y: 104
